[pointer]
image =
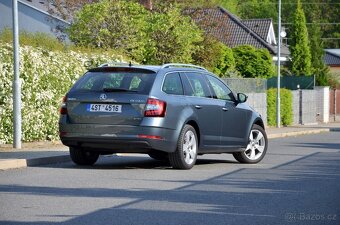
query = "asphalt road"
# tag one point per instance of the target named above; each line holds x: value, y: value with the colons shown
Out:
x: 298, y: 182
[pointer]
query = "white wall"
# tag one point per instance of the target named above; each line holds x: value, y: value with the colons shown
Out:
x: 30, y: 19
x: 322, y: 104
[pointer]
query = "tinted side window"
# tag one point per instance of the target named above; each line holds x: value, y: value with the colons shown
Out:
x: 173, y: 84
x: 197, y: 85
x: 220, y: 90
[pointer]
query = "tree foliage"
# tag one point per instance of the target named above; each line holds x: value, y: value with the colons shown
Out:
x: 252, y: 62
x: 148, y: 37
x: 171, y: 37
x: 299, y: 44
x: 117, y: 25
x: 225, y: 65
x: 215, y: 56
x: 257, y: 9
x: 319, y: 69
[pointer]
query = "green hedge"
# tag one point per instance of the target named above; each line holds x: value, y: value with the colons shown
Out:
x: 286, y: 109
x: 252, y: 62
x: 45, y: 77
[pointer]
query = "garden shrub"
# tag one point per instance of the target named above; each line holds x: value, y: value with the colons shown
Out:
x: 45, y: 78
x: 286, y: 107
x: 42, y: 40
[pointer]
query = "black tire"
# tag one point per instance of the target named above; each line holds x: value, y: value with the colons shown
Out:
x: 82, y: 157
x: 245, y: 156
x: 162, y: 156
x: 178, y: 158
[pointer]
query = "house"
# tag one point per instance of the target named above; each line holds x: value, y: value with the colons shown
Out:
x: 232, y: 31
x: 332, y: 59
x: 262, y: 27
x: 33, y: 17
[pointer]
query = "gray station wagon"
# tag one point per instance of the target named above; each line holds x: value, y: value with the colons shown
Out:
x: 171, y: 112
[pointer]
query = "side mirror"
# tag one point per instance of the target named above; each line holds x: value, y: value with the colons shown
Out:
x: 241, y: 98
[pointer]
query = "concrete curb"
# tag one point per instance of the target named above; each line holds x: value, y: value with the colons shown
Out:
x: 22, y: 163
x: 297, y: 133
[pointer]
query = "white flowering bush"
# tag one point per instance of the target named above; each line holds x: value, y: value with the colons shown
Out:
x: 45, y: 78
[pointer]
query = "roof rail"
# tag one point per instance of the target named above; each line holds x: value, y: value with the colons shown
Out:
x: 113, y: 63
x: 169, y: 65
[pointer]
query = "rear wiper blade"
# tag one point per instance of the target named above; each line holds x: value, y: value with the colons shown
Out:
x: 118, y: 90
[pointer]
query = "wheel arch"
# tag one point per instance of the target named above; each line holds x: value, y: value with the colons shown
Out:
x: 259, y: 121
x: 194, y: 124
x: 256, y: 120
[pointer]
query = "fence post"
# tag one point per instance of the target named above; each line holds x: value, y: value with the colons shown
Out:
x: 300, y: 106
x: 334, y: 105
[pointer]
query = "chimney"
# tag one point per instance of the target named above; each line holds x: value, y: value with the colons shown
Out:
x: 146, y: 3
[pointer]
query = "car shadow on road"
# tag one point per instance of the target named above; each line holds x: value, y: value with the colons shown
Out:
x: 317, y: 145
x: 113, y: 162
x: 243, y: 196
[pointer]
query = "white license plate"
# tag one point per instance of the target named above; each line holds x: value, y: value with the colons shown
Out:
x: 104, y: 108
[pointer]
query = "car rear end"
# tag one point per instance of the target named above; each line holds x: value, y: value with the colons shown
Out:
x: 109, y: 110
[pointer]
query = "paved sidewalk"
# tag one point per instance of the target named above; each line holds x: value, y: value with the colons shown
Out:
x: 32, y: 154
x: 40, y: 153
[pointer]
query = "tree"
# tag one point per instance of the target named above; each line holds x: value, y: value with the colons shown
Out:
x: 252, y: 62
x: 316, y: 11
x: 172, y: 37
x: 145, y: 36
x: 251, y: 9
x: 299, y: 44
x: 319, y: 69
x: 231, y: 5
x: 117, y: 25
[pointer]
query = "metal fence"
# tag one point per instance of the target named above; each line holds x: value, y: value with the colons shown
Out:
x: 293, y: 82
x: 247, y: 85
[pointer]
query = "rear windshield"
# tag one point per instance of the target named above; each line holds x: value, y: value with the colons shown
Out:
x: 130, y: 82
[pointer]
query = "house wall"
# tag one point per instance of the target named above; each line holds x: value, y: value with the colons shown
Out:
x: 335, y: 69
x: 30, y: 19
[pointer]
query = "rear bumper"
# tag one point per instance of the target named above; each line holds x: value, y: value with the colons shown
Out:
x: 117, y: 138
x: 108, y: 145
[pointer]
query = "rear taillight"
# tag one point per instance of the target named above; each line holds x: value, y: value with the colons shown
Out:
x: 155, y: 108
x: 63, y: 109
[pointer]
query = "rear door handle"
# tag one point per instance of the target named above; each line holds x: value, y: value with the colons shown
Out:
x: 225, y: 109
x: 198, y: 107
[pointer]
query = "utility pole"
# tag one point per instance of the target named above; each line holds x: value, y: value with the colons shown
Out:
x: 16, y: 80
x: 278, y: 107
